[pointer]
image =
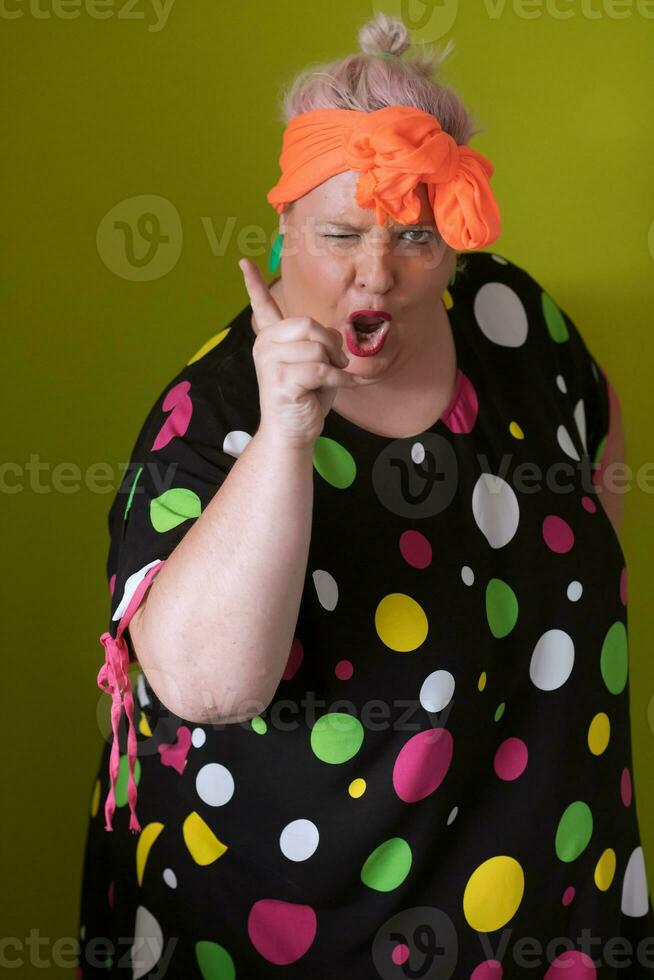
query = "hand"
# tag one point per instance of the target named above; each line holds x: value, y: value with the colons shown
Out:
x: 297, y: 363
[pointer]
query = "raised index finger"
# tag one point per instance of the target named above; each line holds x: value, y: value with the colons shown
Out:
x: 263, y: 305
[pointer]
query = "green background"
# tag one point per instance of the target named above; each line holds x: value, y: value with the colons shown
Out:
x: 102, y: 110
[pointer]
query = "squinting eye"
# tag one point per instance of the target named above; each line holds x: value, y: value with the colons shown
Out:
x: 419, y: 231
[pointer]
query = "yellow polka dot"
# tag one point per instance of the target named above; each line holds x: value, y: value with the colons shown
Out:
x: 144, y: 726
x: 146, y: 839
x: 493, y: 893
x: 401, y: 622
x: 516, y: 431
x: 203, y: 845
x: 95, y: 798
x: 605, y: 869
x: 357, y: 788
x: 599, y: 732
x: 210, y: 344
x: 481, y: 683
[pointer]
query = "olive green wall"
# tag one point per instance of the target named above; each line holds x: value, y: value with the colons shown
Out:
x: 173, y: 113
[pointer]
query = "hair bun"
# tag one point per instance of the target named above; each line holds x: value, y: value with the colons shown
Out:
x: 382, y: 33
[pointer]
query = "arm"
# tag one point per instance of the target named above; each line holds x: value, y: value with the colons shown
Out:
x: 214, y: 631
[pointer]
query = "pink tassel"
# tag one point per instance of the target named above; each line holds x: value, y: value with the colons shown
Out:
x: 113, y: 678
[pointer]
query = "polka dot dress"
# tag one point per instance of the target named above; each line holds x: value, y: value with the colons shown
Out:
x: 442, y: 785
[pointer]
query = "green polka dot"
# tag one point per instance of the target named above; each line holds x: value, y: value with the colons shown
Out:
x: 499, y: 711
x: 388, y: 865
x: 259, y: 725
x: 614, y: 658
x: 599, y: 452
x: 554, y: 319
x: 214, y: 961
x: 131, y: 492
x: 501, y: 607
x: 122, y: 780
x: 334, y: 463
x: 574, y: 831
x: 336, y: 737
x: 174, y: 507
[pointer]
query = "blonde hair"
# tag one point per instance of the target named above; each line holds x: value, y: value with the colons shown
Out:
x: 378, y: 76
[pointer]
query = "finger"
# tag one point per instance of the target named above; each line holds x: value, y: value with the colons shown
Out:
x: 295, y: 328
x: 309, y: 375
x: 263, y: 305
x: 312, y: 350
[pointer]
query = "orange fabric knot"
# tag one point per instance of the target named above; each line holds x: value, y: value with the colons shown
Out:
x: 395, y: 149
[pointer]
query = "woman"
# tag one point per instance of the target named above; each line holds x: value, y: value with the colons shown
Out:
x: 382, y: 718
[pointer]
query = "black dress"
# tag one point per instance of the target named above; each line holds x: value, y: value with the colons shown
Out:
x: 442, y: 785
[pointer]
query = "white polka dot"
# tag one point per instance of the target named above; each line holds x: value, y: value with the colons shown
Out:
x: 326, y: 589
x: 498, y: 258
x: 417, y: 452
x: 634, y: 900
x: 235, y: 442
x: 575, y: 590
x: 214, y: 784
x: 170, y: 878
x: 131, y: 586
x: 560, y: 380
x: 452, y: 816
x: 566, y: 443
x: 501, y: 314
x: 580, y: 419
x: 467, y: 575
x: 299, y: 840
x: 552, y: 660
x: 495, y: 508
x: 437, y: 690
x: 198, y: 737
x: 147, y: 947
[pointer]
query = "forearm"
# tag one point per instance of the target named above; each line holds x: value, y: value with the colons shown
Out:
x: 219, y: 618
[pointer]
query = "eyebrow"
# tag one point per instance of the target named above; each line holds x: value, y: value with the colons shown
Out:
x: 349, y: 227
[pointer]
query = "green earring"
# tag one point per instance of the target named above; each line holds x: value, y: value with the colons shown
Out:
x: 453, y: 277
x: 276, y: 253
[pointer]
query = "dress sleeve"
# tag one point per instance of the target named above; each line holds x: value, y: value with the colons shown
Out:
x: 586, y: 384
x: 179, y: 460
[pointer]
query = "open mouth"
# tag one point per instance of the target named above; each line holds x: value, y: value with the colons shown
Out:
x: 366, y: 335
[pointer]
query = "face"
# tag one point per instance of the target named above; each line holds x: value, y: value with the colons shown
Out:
x: 336, y: 260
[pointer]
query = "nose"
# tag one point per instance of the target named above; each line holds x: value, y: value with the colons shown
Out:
x: 374, y: 267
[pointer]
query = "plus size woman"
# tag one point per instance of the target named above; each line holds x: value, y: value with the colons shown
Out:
x: 368, y: 573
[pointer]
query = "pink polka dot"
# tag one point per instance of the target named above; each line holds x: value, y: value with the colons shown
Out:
x: 625, y: 787
x: 295, y: 658
x: 568, y: 895
x: 573, y: 965
x: 422, y: 764
x: 281, y: 932
x: 415, y: 549
x: 400, y: 954
x: 511, y: 758
x: 588, y: 504
x: 112, y: 583
x: 461, y: 414
x: 557, y: 534
x: 488, y: 970
x: 178, y: 403
x: 344, y: 670
x: 623, y: 586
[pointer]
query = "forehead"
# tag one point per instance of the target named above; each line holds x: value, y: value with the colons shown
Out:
x: 334, y: 200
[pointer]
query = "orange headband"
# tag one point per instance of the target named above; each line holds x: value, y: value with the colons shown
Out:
x: 396, y: 148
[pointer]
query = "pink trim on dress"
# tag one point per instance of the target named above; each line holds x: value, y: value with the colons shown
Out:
x: 113, y: 678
